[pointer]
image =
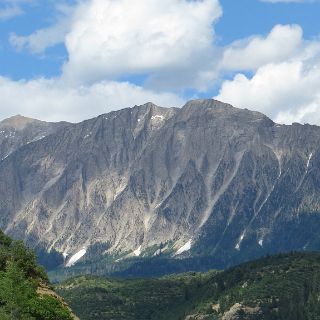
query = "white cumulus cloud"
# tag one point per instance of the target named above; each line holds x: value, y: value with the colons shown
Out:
x: 170, y: 42
x: 52, y: 100
x: 38, y: 41
x: 12, y: 8
x: 42, y: 39
x: 9, y: 12
x: 279, y: 45
x: 285, y: 83
x: 113, y: 39
x: 287, y: 92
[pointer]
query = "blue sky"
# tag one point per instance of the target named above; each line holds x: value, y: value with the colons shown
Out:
x: 17, y: 65
x: 244, y: 18
x: 70, y: 60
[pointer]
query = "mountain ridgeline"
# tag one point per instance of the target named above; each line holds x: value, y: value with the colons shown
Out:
x: 204, y: 180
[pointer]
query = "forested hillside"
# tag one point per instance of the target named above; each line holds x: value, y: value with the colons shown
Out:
x: 279, y: 287
x: 24, y: 289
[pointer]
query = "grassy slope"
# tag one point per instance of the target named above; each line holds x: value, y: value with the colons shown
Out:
x: 283, y: 287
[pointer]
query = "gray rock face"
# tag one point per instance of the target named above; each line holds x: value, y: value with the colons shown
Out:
x: 18, y: 131
x: 218, y: 179
x: 239, y: 311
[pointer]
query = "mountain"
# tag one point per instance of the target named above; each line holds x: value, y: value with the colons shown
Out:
x: 18, y: 131
x: 280, y: 287
x: 204, y: 180
x: 25, y: 292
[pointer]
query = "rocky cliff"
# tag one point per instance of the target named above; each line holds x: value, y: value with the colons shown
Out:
x: 204, y: 179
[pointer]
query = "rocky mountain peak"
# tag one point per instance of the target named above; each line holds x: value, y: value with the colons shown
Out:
x: 153, y: 112
x: 147, y: 106
x: 221, y: 110
x: 208, y: 177
x: 18, y: 131
x: 17, y: 122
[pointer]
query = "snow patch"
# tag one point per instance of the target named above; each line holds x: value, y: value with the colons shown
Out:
x: 40, y: 138
x: 146, y: 221
x: 76, y: 257
x: 157, y: 117
x: 119, y: 191
x: 8, y: 134
x: 36, y: 139
x: 137, y: 252
x: 157, y: 252
x: 5, y: 157
x: 306, y: 172
x: 185, y: 247
x: 308, y: 163
x: 237, y: 246
x: 158, y: 205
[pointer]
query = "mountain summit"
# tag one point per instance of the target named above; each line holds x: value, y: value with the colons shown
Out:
x: 17, y: 122
x: 206, y: 179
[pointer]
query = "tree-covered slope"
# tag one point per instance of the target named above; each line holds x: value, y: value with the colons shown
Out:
x: 279, y: 287
x: 104, y: 298
x: 24, y: 290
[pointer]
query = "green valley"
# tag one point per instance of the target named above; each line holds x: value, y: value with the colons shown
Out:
x: 286, y: 286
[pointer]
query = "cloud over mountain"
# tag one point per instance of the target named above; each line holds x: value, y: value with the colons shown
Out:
x: 122, y: 53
